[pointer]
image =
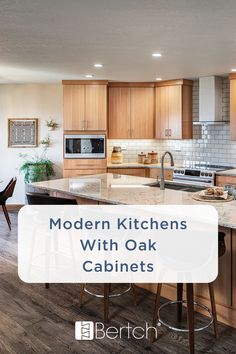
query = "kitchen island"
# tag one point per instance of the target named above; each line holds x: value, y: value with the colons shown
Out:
x: 123, y: 189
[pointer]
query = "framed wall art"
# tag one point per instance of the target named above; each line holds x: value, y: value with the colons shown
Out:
x: 22, y: 132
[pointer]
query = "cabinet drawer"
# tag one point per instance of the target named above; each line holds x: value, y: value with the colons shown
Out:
x: 222, y: 180
x: 156, y: 172
x: 71, y: 164
x: 139, y: 172
x: 83, y: 172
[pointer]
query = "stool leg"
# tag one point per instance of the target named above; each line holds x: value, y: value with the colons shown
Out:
x: 190, y: 312
x: 213, y: 307
x: 155, y: 315
x: 81, y: 294
x: 106, y: 302
x: 179, y: 304
x: 134, y: 293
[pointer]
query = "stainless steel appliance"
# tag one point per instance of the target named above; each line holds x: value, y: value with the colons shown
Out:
x: 198, y: 175
x: 84, y: 146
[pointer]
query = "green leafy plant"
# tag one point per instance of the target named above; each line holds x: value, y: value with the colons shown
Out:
x: 37, y: 168
x: 46, y: 141
x: 51, y: 124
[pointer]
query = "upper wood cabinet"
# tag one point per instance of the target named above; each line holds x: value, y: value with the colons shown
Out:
x: 85, y: 105
x: 232, y: 78
x: 142, y: 112
x: 173, y: 109
x: 119, y: 113
x: 74, y: 107
x: 131, y: 111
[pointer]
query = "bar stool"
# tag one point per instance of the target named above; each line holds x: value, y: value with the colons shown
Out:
x: 190, y: 305
x: 46, y: 199
x: 106, y: 296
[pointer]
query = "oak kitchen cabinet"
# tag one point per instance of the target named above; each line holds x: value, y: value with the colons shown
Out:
x: 173, y: 109
x: 140, y: 172
x: 81, y: 167
x: 232, y: 78
x: 222, y: 180
x: 85, y: 105
x: 131, y: 111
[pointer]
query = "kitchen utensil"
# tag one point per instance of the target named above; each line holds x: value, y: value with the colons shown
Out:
x: 116, y: 155
x: 153, y: 156
x: 141, y: 157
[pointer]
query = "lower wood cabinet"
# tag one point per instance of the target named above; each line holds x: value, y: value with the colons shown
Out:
x: 84, y: 172
x: 142, y: 172
x: 234, y: 269
x: 222, y: 180
x: 83, y: 167
x: 156, y: 173
x: 139, y: 172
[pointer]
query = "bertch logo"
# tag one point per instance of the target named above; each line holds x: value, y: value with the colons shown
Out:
x: 87, y: 330
x: 84, y: 330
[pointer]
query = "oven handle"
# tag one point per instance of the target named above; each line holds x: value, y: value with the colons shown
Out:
x: 198, y: 180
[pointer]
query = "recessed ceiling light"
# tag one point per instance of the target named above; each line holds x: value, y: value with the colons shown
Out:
x: 89, y: 76
x: 98, y: 65
x: 158, y: 78
x: 156, y: 54
x: 233, y: 70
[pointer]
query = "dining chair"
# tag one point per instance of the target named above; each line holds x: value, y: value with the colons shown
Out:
x: 4, y: 195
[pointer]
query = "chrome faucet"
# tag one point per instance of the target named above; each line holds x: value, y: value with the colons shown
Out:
x: 162, y: 178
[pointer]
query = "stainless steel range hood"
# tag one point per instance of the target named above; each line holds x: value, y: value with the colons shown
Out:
x: 210, y: 101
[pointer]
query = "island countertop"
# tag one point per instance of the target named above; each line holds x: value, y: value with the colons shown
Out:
x: 122, y: 189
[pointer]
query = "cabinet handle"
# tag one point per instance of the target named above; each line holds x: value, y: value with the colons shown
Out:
x: 169, y: 132
x: 166, y: 132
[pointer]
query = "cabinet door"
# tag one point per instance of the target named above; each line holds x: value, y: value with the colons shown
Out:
x: 175, y: 112
x: 156, y: 173
x: 139, y: 172
x: 119, y: 113
x: 73, y: 107
x: 233, y: 109
x: 234, y: 268
x: 96, y: 107
x: 161, y: 112
x: 142, y: 113
x: 222, y: 180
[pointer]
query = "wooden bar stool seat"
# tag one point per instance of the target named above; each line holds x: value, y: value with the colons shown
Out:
x: 190, y: 306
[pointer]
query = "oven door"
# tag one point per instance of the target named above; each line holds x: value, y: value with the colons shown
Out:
x: 84, y: 146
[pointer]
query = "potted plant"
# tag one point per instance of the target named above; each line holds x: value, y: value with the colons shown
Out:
x: 51, y: 124
x: 37, y: 168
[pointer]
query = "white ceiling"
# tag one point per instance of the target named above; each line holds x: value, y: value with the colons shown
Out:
x: 51, y: 40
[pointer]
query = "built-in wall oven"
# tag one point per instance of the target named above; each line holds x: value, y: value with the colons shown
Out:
x: 86, y: 146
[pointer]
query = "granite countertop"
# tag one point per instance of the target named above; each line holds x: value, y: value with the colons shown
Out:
x: 138, y: 165
x: 121, y: 189
x: 231, y: 172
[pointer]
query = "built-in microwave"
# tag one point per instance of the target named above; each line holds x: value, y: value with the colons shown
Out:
x: 84, y: 146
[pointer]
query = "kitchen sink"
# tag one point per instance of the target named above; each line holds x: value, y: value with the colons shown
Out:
x: 177, y: 186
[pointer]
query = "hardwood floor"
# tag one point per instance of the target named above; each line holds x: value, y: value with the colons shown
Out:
x: 38, y: 320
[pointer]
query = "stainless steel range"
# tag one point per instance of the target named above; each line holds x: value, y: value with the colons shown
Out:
x: 198, y: 175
